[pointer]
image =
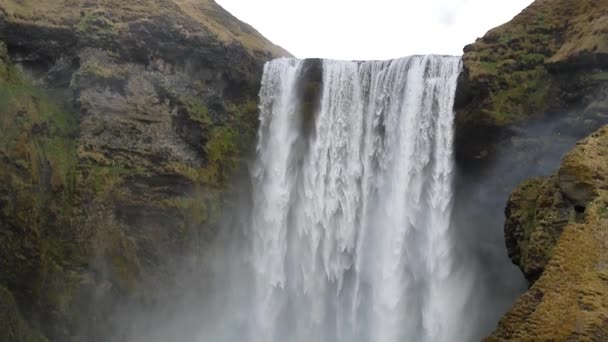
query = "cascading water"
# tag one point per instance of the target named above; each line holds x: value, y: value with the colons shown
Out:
x: 349, y: 235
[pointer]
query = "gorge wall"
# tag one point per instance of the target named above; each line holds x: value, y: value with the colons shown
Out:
x: 531, y: 88
x: 121, y: 123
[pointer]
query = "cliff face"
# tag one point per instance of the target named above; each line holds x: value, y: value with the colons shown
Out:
x: 548, y: 60
x: 556, y: 229
x: 530, y: 89
x: 121, y: 123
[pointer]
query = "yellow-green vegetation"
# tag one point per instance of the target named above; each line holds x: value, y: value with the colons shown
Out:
x: 536, y: 215
x: 95, y: 20
x: 38, y: 137
x: 13, y: 327
x: 587, y: 32
x: 508, y: 70
x: 508, y: 66
x: 199, y: 210
x: 570, y: 300
x: 521, y: 213
x: 36, y: 192
x: 121, y: 131
x: 108, y: 18
x: 198, y: 112
x: 220, y: 23
x: 228, y: 143
x: 98, y: 70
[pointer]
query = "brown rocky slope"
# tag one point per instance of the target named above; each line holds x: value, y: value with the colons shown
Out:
x: 121, y: 123
x: 557, y: 232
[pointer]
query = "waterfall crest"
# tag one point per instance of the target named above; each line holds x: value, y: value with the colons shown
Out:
x: 349, y: 236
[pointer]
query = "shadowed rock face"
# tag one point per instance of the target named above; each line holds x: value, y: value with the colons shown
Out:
x: 556, y: 232
x: 122, y: 123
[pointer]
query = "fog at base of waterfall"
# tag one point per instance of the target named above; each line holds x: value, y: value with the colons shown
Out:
x: 353, y: 223
x: 348, y: 238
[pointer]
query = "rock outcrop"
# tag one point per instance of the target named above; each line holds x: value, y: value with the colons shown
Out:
x: 530, y: 89
x: 548, y: 60
x: 557, y: 232
x: 122, y: 122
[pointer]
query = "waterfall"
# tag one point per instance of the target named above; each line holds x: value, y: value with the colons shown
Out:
x: 349, y: 235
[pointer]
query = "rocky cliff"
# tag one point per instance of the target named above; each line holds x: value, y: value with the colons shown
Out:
x: 530, y: 89
x: 122, y: 122
x: 557, y: 232
x: 548, y: 60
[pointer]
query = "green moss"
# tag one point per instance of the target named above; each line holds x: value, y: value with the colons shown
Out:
x: 507, y: 66
x: 37, y: 186
x: 489, y: 67
x: 96, y: 25
x: 8, y: 73
x: 197, y: 111
x: 525, y: 92
x: 99, y: 70
x: 221, y: 153
x: 13, y: 328
x: 58, y: 285
x: 229, y: 144
x: 600, y: 76
x: 529, y: 192
x: 565, y: 248
x: 103, y: 179
x: 602, y: 211
x: 200, y: 210
x: 123, y: 265
x: 533, y: 59
x: 244, y: 120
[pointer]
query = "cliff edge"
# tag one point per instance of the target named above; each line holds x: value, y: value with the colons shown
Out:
x: 549, y: 60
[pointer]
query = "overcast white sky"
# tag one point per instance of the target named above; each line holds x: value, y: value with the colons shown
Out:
x: 379, y: 29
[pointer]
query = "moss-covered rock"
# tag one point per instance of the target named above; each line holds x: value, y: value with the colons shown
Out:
x: 557, y: 233
x: 122, y: 124
x: 547, y: 61
x: 12, y: 325
x: 536, y: 214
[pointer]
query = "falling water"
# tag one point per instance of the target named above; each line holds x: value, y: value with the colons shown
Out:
x: 350, y: 229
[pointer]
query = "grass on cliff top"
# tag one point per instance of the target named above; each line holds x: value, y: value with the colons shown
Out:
x: 228, y: 28
x: 115, y: 14
x: 588, y: 31
x: 509, y: 61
